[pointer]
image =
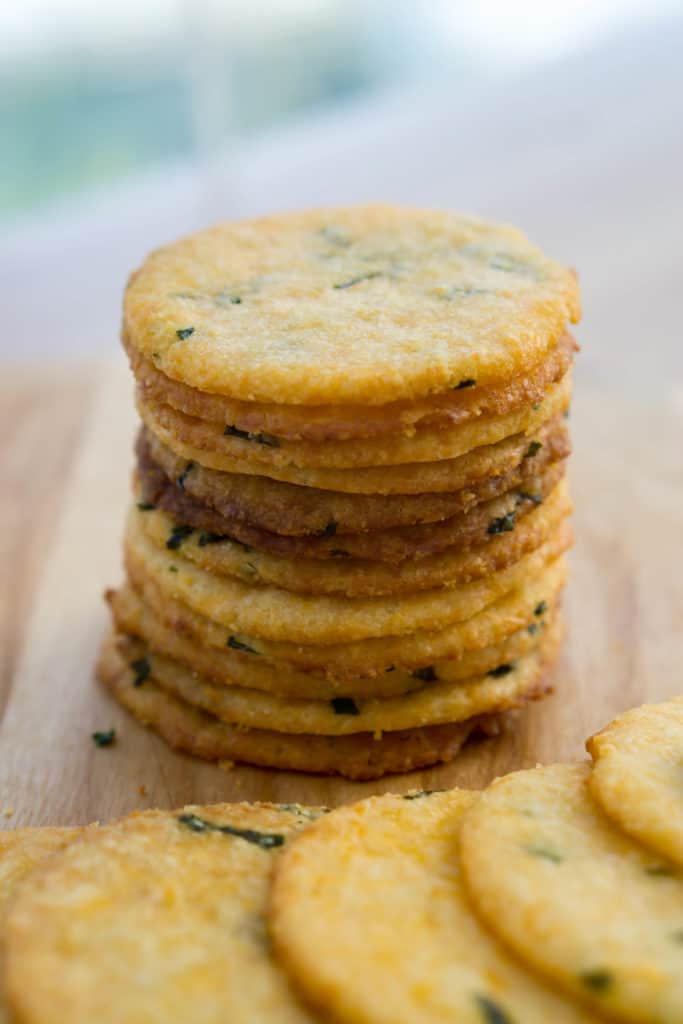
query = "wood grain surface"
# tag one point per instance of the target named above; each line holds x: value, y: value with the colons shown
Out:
x: 65, y: 464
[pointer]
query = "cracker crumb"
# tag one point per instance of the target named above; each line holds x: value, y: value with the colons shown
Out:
x: 8, y: 812
x: 142, y: 790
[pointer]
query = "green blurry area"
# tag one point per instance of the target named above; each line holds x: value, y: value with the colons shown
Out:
x: 73, y: 122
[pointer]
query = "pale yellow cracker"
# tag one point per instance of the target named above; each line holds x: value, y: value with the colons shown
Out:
x: 359, y: 305
x: 226, y: 666
x: 340, y: 423
x: 434, y: 472
x: 158, y: 917
x: 369, y: 657
x: 596, y: 913
x: 279, y: 615
x: 359, y: 756
x: 507, y: 686
x: 21, y: 852
x: 369, y: 915
x: 638, y: 775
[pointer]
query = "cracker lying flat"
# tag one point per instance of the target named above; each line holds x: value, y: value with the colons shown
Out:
x: 432, y: 473
x: 158, y: 917
x: 279, y: 615
x: 360, y: 305
x: 431, y: 444
x: 437, y: 703
x: 342, y: 422
x: 21, y: 852
x: 227, y: 666
x: 368, y: 657
x: 369, y: 916
x: 359, y: 756
x: 575, y: 898
x: 361, y: 578
x: 638, y: 774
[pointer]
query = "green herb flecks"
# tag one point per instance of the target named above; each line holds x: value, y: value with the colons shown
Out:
x: 209, y: 538
x: 357, y: 280
x: 544, y: 853
x: 502, y: 670
x: 329, y: 530
x: 426, y: 674
x: 491, y: 1012
x: 145, y: 506
x: 533, y: 449
x: 179, y: 533
x: 677, y: 936
x: 184, y: 475
x: 309, y: 813
x: 535, y: 499
x: 336, y: 236
x: 264, y: 840
x: 503, y: 524
x: 344, y: 706
x: 104, y: 739
x: 660, y: 870
x: 173, y: 568
x: 417, y: 794
x: 532, y: 629
x: 509, y: 265
x: 246, y: 435
x: 598, y: 980
x: 541, y: 608
x: 239, y: 645
x: 142, y: 668
x: 468, y: 382
x: 184, y: 332
x: 227, y: 297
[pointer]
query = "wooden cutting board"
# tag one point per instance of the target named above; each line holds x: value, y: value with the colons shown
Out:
x: 65, y: 465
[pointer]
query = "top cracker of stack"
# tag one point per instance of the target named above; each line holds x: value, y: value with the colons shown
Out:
x: 346, y: 549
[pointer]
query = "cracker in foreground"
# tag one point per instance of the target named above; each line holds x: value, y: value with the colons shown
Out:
x: 158, y: 917
x: 21, y: 852
x: 369, y: 915
x: 638, y: 775
x: 578, y: 901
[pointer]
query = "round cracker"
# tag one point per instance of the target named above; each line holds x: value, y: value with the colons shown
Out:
x: 430, y: 470
x: 342, y: 423
x: 637, y: 774
x: 358, y: 757
x: 226, y: 666
x: 396, y: 873
x: 362, y: 578
x: 304, y: 511
x: 159, y: 916
x: 507, y: 686
x: 359, y: 305
x: 268, y: 455
x: 575, y: 898
x: 279, y: 615
x: 369, y: 657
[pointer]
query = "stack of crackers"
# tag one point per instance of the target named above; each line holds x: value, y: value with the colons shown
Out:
x: 345, y: 553
x: 554, y: 897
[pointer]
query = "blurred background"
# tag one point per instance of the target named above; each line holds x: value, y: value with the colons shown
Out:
x: 125, y: 124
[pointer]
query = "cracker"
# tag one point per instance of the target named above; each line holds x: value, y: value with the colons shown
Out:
x: 157, y: 917
x: 381, y: 654
x: 269, y: 455
x: 363, y: 305
x: 637, y: 774
x: 226, y: 666
x: 359, y: 757
x: 21, y: 852
x: 435, y: 704
x: 279, y: 615
x: 578, y: 901
x: 305, y: 511
x: 363, y: 578
x: 342, y: 423
x: 387, y: 869
x: 410, y: 469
